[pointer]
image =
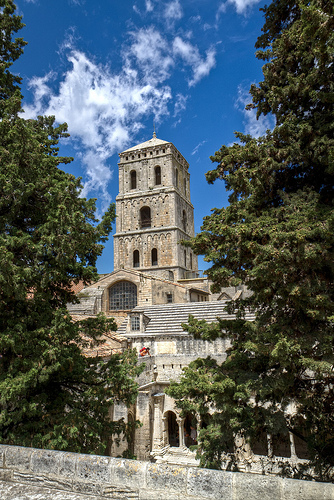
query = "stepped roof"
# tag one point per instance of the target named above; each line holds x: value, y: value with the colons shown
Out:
x: 166, y: 319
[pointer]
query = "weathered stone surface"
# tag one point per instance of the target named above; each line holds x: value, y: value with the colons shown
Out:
x: 67, y: 466
x: 311, y: 490
x: 15, y: 491
x: 93, y: 468
x: 209, y: 483
x: 129, y: 473
x: 17, y: 457
x: 167, y: 477
x: 45, y: 461
x: 44, y: 480
x: 255, y: 486
x: 97, y: 478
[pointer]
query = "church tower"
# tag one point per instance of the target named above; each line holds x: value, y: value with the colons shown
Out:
x: 154, y: 212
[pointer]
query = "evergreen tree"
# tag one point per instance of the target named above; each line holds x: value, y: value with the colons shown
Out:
x: 277, y: 237
x: 51, y: 395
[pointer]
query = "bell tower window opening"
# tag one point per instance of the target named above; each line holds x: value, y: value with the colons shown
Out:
x: 176, y: 177
x: 122, y: 296
x: 133, y: 179
x: 136, y: 258
x: 145, y: 217
x: 154, y: 256
x: 184, y: 221
x: 157, y: 172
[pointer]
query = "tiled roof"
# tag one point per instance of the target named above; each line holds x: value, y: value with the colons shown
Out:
x: 166, y: 319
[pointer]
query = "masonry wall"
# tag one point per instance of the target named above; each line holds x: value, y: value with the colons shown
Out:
x: 31, y: 474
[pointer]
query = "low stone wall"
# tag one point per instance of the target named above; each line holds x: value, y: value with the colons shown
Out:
x: 31, y: 474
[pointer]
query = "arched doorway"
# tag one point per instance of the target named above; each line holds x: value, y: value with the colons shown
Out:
x: 190, y: 430
x: 173, y: 429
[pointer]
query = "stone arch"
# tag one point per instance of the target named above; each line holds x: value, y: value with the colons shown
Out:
x: 145, y: 217
x: 154, y: 257
x: 136, y: 258
x: 172, y: 429
x: 122, y: 296
x: 184, y: 221
x: 157, y: 175
x: 133, y: 179
x: 190, y: 430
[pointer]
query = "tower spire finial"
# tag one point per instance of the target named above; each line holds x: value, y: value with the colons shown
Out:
x: 154, y: 134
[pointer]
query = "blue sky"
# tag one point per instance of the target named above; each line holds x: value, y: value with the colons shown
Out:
x: 111, y: 68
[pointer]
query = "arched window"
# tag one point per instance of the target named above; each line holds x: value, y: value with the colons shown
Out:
x: 185, y: 186
x: 173, y: 429
x: 154, y: 255
x: 122, y: 296
x: 133, y: 179
x: 145, y: 217
x: 184, y: 221
x: 136, y: 258
x: 157, y: 172
x: 176, y: 177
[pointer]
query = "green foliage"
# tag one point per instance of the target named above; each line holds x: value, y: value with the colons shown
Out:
x: 51, y: 395
x: 277, y: 237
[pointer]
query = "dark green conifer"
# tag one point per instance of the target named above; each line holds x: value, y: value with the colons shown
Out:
x: 277, y: 237
x: 51, y: 395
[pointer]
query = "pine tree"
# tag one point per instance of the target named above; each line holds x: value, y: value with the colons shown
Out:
x: 277, y: 237
x: 51, y: 395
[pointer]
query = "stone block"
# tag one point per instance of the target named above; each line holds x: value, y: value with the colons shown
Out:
x: 93, y: 468
x: 210, y: 484
x: 167, y: 478
x: 18, y: 458
x: 294, y: 489
x: 129, y: 473
x: 255, y: 486
x: 2, y: 455
x: 45, y: 461
x: 67, y: 465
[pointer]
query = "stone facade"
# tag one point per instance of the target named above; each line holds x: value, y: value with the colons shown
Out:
x: 152, y: 291
x: 154, y: 212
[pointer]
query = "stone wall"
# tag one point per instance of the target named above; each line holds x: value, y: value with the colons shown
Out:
x: 30, y: 474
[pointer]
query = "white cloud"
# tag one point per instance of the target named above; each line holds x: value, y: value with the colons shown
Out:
x: 180, y: 104
x: 148, y: 5
x: 104, y: 110
x: 241, y: 6
x: 253, y: 126
x: 173, y: 11
x: 196, y: 148
x: 151, y: 53
x: 191, y: 56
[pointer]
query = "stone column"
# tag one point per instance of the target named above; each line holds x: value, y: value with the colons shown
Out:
x: 157, y: 422
x: 180, y: 422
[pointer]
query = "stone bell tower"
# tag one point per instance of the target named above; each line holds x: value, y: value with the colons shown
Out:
x: 154, y: 212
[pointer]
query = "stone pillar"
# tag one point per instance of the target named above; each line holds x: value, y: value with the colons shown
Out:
x: 158, y: 401
x: 180, y: 422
